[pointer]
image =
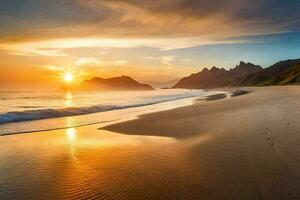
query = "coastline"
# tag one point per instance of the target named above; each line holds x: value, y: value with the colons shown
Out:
x: 245, y: 147
x: 104, y: 117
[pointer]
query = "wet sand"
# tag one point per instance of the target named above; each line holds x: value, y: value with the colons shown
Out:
x: 245, y: 147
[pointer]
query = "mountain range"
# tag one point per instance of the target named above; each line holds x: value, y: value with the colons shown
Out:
x: 216, y: 77
x: 244, y: 74
x: 282, y: 73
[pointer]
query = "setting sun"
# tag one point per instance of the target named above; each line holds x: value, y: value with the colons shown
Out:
x: 68, y: 77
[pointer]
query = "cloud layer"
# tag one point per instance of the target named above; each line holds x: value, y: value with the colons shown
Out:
x: 214, y: 20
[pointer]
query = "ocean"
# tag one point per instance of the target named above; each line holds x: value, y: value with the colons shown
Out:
x: 27, y: 111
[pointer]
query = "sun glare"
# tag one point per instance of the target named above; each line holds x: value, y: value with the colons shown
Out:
x: 71, y: 134
x: 68, y: 77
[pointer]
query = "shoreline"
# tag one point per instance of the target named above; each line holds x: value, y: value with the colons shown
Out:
x: 155, y: 107
x: 229, y: 93
x: 246, y: 147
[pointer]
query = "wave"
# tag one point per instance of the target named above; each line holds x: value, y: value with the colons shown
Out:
x: 18, y: 116
x: 27, y: 115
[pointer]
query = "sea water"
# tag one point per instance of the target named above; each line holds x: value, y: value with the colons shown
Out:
x: 20, y: 106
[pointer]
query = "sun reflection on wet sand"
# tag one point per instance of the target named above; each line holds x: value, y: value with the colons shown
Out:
x: 87, y: 163
x: 71, y: 135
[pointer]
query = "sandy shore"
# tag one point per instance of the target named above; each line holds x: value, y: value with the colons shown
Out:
x: 245, y: 147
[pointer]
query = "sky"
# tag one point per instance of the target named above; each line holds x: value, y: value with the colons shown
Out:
x: 151, y: 41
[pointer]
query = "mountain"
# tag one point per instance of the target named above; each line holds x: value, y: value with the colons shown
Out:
x: 245, y: 68
x: 116, y: 83
x: 282, y: 73
x: 216, y: 77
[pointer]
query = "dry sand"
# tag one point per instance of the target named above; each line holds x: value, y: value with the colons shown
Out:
x: 245, y: 147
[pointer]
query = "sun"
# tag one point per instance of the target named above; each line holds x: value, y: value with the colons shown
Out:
x: 68, y: 77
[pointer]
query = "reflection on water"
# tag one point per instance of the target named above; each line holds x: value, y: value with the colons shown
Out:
x: 83, y: 163
x: 70, y: 121
x: 69, y: 100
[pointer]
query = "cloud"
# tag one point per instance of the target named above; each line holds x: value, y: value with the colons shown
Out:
x: 88, y: 61
x: 205, y: 21
x: 57, y: 47
x: 117, y: 62
x: 28, y: 51
x: 54, y: 68
x: 165, y: 60
x: 96, y: 62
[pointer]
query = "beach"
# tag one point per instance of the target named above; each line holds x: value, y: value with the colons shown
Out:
x: 243, y: 147
x: 149, y: 100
